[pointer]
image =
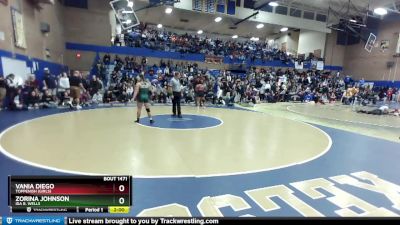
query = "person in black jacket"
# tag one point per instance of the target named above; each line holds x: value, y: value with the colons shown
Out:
x: 3, y: 91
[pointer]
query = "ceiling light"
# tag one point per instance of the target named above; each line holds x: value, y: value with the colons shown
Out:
x: 168, y: 10
x: 284, y: 29
x: 235, y: 36
x: 273, y: 4
x: 254, y: 39
x: 380, y: 11
x: 259, y: 26
x: 353, y: 21
x: 218, y: 19
x: 200, y: 31
x: 159, y: 26
x: 130, y: 4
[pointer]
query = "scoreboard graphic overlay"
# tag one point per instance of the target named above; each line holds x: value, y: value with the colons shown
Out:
x: 74, y: 194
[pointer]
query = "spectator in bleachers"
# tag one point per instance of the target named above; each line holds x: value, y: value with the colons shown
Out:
x: 48, y: 99
x: 348, y: 96
x: 129, y: 91
x: 17, y: 102
x: 3, y: 91
x: 117, y: 41
x: 32, y: 83
x: 11, y: 88
x: 108, y: 96
x: 33, y: 100
x: 106, y: 59
x: 95, y: 85
x: 97, y: 98
x: 389, y: 94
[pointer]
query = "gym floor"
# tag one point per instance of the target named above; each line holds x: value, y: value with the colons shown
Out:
x: 268, y: 160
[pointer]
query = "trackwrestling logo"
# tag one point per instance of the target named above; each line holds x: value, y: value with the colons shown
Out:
x: 34, y: 220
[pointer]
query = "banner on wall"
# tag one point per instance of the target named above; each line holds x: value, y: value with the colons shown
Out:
x: 320, y: 65
x: 299, y: 65
x: 368, y: 85
x: 18, y: 26
x: 313, y: 64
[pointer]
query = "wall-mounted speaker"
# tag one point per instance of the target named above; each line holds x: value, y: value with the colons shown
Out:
x: 44, y: 27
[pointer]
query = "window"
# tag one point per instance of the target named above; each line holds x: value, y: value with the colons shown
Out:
x: 281, y: 10
x: 321, y: 18
x: 295, y: 12
x: 267, y: 8
x: 249, y: 4
x: 198, y: 5
x: 308, y: 15
x: 210, y: 6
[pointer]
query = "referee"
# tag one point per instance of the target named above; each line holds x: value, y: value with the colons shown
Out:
x: 176, y: 87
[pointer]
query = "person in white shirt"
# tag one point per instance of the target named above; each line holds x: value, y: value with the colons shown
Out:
x: 97, y: 98
x: 267, y: 86
x: 129, y: 92
x: 63, y: 86
x: 228, y: 78
x: 10, y: 80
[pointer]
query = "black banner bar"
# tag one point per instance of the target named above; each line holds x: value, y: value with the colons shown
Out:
x: 219, y: 220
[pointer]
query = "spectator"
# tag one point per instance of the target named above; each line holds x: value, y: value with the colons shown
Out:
x: 76, y: 86
x: 97, y: 98
x: 48, y: 99
x: 3, y: 91
x: 33, y: 100
x: 95, y: 86
x: 11, y: 88
x: 108, y: 96
x: 63, y: 87
x: 16, y: 103
x: 49, y: 82
x: 32, y: 83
